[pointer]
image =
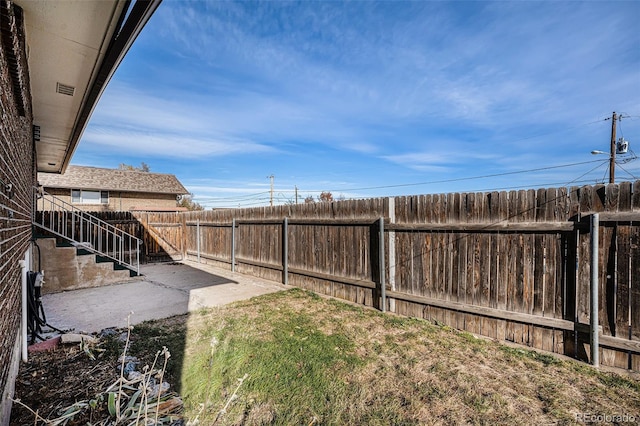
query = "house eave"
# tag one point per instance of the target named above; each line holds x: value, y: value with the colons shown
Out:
x: 76, y: 45
x: 135, y: 22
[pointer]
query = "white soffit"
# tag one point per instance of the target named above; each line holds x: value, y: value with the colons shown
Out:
x: 66, y: 43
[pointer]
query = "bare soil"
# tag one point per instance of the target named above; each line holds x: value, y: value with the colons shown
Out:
x: 53, y: 381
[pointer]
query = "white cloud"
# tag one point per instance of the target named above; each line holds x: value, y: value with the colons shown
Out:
x: 327, y: 71
x: 159, y: 144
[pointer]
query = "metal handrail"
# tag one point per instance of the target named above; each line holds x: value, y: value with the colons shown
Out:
x: 93, y: 234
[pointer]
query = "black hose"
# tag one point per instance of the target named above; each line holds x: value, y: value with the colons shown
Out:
x: 36, y: 317
x: 34, y: 322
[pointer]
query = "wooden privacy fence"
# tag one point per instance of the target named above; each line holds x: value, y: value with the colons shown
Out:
x: 513, y: 266
x: 163, y: 235
x: 161, y: 238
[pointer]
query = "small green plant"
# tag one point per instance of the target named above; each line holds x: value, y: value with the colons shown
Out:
x: 614, y: 380
x: 521, y: 353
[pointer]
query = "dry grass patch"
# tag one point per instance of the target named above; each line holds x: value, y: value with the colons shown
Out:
x: 320, y: 361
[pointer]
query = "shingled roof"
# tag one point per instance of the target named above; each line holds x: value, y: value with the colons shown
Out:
x: 81, y: 177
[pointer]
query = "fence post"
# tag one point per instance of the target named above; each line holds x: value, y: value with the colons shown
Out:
x: 285, y: 251
x: 233, y: 245
x: 198, y: 238
x: 595, y: 355
x: 383, y: 285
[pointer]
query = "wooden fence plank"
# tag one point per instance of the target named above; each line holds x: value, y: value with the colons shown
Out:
x: 634, y: 290
x: 539, y: 277
x: 584, y: 254
x: 607, y: 280
x: 622, y: 291
x: 549, y: 266
x: 586, y: 195
x: 470, y: 322
x: 453, y: 213
x: 555, y: 268
x: 539, y: 284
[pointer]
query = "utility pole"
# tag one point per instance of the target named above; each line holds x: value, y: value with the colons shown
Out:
x: 271, y: 196
x: 296, y: 187
x: 612, y: 158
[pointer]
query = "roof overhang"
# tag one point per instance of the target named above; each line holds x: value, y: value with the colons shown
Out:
x: 74, y: 48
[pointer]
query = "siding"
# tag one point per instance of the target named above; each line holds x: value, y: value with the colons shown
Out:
x: 118, y: 201
x: 17, y: 169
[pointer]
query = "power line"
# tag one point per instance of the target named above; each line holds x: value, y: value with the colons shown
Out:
x: 628, y: 172
x: 250, y: 199
x: 257, y: 203
x: 562, y: 130
x: 471, y: 177
x: 584, y: 174
x: 264, y: 201
x: 235, y: 198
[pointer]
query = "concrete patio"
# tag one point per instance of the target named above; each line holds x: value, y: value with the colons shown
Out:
x: 163, y: 291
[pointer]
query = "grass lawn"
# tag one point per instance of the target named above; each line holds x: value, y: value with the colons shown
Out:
x: 311, y: 360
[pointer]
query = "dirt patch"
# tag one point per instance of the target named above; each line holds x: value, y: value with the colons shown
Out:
x: 53, y: 381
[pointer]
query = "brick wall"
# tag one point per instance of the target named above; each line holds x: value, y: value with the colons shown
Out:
x: 17, y: 170
x: 118, y: 201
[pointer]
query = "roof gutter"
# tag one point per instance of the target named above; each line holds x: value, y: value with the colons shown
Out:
x: 119, y: 45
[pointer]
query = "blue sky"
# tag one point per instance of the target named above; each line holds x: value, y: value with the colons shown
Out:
x: 367, y: 99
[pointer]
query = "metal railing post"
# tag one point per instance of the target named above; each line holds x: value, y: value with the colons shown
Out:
x: 92, y: 234
x: 138, y: 256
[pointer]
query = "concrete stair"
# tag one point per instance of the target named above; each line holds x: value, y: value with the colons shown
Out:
x: 68, y: 267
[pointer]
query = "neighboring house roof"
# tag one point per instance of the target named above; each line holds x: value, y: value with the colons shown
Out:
x: 81, y: 177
